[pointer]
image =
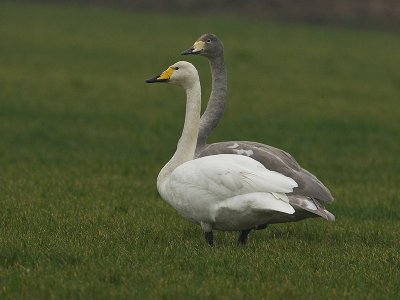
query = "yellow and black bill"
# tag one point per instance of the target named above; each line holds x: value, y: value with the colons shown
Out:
x: 197, y: 48
x: 165, y: 76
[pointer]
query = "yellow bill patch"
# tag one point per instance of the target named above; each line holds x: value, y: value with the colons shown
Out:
x: 166, y: 74
x: 198, y: 46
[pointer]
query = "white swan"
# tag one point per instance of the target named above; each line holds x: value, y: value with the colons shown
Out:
x: 225, y: 191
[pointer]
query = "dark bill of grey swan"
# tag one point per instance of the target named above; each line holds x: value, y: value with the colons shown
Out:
x: 197, y: 48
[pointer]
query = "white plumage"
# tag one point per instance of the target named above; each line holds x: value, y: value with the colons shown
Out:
x: 229, y: 192
x: 226, y: 191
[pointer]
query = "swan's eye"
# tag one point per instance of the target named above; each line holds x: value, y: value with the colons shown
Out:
x: 208, y: 41
x: 176, y: 68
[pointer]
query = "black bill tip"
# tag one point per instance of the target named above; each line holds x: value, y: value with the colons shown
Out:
x: 152, y: 80
x: 155, y: 79
x: 189, y: 51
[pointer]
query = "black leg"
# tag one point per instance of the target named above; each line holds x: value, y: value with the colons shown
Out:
x: 209, y: 237
x: 262, y: 226
x: 243, y: 236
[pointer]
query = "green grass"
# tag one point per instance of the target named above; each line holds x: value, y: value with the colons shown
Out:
x: 82, y: 139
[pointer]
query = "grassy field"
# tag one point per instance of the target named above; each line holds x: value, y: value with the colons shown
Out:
x: 82, y: 139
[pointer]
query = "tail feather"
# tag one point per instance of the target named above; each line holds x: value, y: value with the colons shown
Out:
x: 309, y: 207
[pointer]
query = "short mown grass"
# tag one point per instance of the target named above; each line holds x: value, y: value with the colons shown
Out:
x: 82, y: 139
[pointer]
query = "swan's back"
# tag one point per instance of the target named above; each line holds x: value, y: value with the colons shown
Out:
x: 228, y: 191
x: 231, y: 175
x: 274, y: 159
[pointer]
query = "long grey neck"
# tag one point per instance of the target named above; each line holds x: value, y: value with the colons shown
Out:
x: 216, y: 104
x: 187, y: 143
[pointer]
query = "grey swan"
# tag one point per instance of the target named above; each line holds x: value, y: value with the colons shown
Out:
x: 307, y: 198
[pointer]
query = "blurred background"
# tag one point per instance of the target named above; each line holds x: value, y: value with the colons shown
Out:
x: 82, y: 139
x: 366, y: 12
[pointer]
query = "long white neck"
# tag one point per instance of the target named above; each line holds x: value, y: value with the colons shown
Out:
x: 187, y: 143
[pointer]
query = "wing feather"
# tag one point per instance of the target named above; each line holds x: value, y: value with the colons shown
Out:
x: 227, y: 175
x: 273, y: 159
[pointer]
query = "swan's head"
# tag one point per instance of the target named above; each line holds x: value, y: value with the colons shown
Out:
x: 207, y: 45
x: 181, y: 73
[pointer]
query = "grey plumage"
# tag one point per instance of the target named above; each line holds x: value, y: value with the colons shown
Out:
x: 215, y: 107
x: 307, y: 197
x: 276, y: 160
